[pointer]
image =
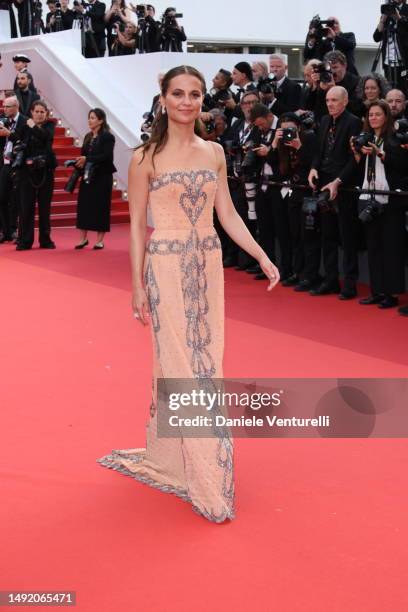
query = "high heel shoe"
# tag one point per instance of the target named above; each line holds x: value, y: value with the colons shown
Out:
x: 98, y: 246
x: 82, y: 244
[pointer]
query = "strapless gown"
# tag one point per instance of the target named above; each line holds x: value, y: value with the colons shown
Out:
x: 184, y: 282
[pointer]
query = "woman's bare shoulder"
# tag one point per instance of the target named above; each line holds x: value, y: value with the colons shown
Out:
x: 218, y: 151
x: 142, y: 160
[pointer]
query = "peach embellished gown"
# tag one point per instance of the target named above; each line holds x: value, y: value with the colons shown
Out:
x: 184, y: 282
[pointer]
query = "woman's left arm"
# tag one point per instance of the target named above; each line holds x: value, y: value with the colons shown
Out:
x: 234, y: 225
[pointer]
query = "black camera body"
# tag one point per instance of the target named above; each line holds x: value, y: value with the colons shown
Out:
x: 401, y: 130
x: 37, y: 163
x: 217, y: 99
x: 268, y: 84
x: 289, y: 134
x: 321, y: 27
x: 324, y: 71
x: 308, y: 120
x: 389, y: 8
x: 19, y: 155
x: 370, y: 211
x: 362, y: 140
x: 4, y: 121
x: 324, y: 203
x: 169, y: 18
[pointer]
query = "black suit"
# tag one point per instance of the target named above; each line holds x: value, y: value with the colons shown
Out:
x: 25, y: 99
x: 37, y: 185
x: 401, y: 35
x: 342, y: 221
x: 288, y: 97
x: 31, y: 85
x: 96, y: 12
x: 344, y: 42
x: 9, y: 197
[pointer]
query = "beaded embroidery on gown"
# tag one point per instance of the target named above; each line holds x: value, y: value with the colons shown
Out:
x: 184, y: 282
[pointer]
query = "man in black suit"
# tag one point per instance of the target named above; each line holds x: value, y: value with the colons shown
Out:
x: 95, y: 40
x: 335, y: 40
x: 11, y: 130
x: 392, y: 32
x: 24, y: 95
x: 334, y: 165
x: 288, y: 93
x: 21, y: 62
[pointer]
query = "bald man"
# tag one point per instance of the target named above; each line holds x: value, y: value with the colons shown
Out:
x: 397, y: 103
x: 334, y: 165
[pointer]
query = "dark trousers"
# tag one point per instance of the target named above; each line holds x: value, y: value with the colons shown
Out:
x: 296, y: 228
x: 95, y: 44
x: 340, y: 226
x: 8, y: 202
x: 29, y: 195
x: 393, y: 76
x: 312, y: 240
x: 233, y: 251
x: 385, y: 236
x: 265, y: 217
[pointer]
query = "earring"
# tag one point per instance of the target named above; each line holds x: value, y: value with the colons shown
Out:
x: 164, y: 110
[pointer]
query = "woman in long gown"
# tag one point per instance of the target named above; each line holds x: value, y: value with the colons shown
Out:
x: 178, y: 283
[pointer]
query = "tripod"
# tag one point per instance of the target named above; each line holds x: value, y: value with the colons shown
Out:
x: 82, y: 22
x: 169, y: 42
x: 395, y: 69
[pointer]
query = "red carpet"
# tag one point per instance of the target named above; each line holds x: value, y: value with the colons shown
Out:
x: 321, y: 524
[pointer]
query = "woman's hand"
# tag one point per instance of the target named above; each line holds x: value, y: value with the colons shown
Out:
x: 30, y: 123
x: 270, y: 270
x: 295, y: 143
x: 80, y: 161
x: 357, y: 154
x: 140, y: 305
x: 277, y: 139
x: 262, y: 150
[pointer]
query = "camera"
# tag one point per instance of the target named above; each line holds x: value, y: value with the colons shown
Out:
x: 311, y: 213
x: 4, y: 122
x: 19, y: 150
x: 321, y: 27
x: 216, y: 99
x: 362, y: 140
x: 140, y: 11
x: 325, y: 72
x: 370, y: 211
x: 401, y: 131
x: 324, y: 203
x: 308, y: 120
x: 37, y: 163
x: 250, y: 161
x: 389, y: 8
x: 268, y: 84
x: 289, y: 134
x: 73, y: 179
x: 170, y: 16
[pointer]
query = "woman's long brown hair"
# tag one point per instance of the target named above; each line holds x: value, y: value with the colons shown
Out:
x: 159, y: 133
x: 388, y: 126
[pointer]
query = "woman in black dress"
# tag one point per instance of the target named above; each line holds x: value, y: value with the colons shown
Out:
x: 95, y: 190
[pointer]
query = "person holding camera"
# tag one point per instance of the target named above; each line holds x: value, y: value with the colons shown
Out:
x: 125, y: 42
x: 392, y: 33
x: 93, y: 12
x: 148, y: 28
x: 117, y: 15
x: 24, y: 94
x: 171, y: 35
x: 292, y: 152
x: 36, y: 178
x: 287, y: 92
x: 95, y: 190
x: 326, y: 36
x: 334, y: 165
x: 60, y: 17
x: 12, y: 126
x: 383, y: 162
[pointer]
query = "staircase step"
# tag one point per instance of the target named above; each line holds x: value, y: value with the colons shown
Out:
x: 63, y: 141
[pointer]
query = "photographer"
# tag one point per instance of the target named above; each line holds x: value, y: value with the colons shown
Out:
x: 24, y: 94
x: 92, y: 18
x: 260, y: 72
x: 293, y: 150
x: 118, y: 14
x: 287, y: 94
x: 220, y: 96
x: 125, y: 43
x: 325, y: 36
x: 383, y: 162
x: 95, y: 190
x: 148, y: 28
x: 36, y: 178
x: 397, y: 102
x: 11, y: 131
x: 334, y: 165
x: 171, y: 35
x: 60, y: 16
x: 392, y: 33
x: 241, y: 139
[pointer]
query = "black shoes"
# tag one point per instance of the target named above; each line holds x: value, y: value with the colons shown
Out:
x: 229, y: 262
x: 290, y: 281
x: 98, y: 246
x: 22, y: 247
x: 260, y: 276
x: 82, y: 244
x: 403, y: 311
x: 325, y: 289
x: 4, y: 239
x: 371, y: 300
x: 255, y: 269
x: 389, y: 301
x: 48, y: 245
x: 306, y: 285
x: 347, y: 294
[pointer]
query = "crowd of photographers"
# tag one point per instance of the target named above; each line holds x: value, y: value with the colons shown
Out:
x: 120, y: 29
x: 319, y: 165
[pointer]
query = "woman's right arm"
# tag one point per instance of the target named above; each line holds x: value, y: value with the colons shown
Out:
x: 138, y: 188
